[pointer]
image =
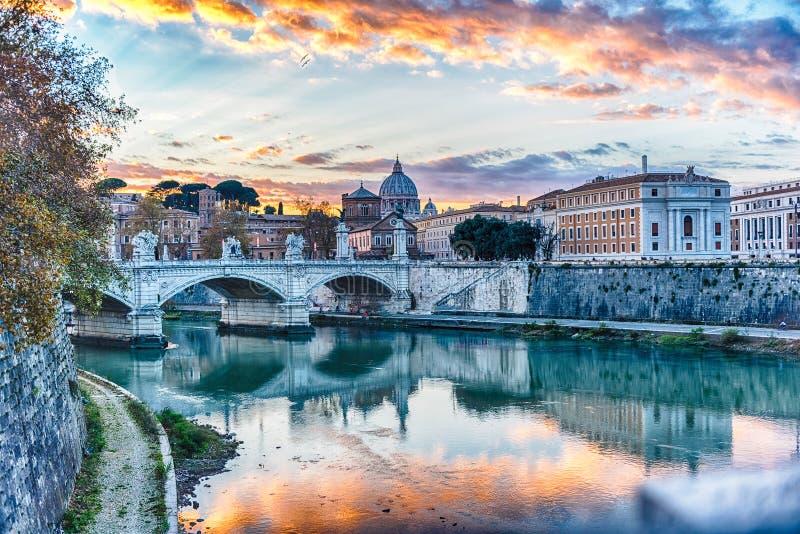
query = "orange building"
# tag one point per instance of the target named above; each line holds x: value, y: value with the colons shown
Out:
x: 647, y: 215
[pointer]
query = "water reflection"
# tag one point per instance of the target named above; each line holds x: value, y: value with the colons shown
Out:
x: 493, y: 434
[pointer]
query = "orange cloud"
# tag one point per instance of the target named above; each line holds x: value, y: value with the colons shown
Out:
x: 226, y: 13
x: 150, y: 12
x: 265, y: 151
x: 223, y: 138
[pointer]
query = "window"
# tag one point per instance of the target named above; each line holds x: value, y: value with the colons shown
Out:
x: 570, y: 219
x: 570, y: 201
x: 410, y: 240
x: 632, y: 193
x: 563, y: 249
x: 594, y: 231
x: 717, y: 192
x: 689, y: 246
x: 687, y: 227
x: 622, y: 247
x: 127, y: 239
x: 613, y: 230
x: 603, y: 197
x: 603, y: 215
x: 571, y: 234
x: 166, y: 224
x: 612, y: 196
x: 622, y: 195
x: 633, y: 211
x: 594, y: 216
x: 621, y: 214
x: 633, y: 247
x: 717, y: 245
x: 563, y: 234
x: 717, y: 228
x: 622, y: 230
x: 388, y: 240
x: 655, y: 245
x: 654, y: 229
x: 654, y: 192
x: 571, y: 249
x: 613, y: 247
x: 579, y: 232
x: 604, y: 231
x: 595, y: 249
x: 377, y: 240
x: 605, y: 248
x: 613, y: 214
x: 633, y: 229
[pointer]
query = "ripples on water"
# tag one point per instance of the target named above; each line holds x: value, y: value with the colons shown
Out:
x: 455, y: 432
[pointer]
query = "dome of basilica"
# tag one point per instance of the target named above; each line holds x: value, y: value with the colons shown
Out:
x: 398, y: 184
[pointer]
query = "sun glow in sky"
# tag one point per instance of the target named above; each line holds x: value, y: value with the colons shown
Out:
x: 482, y: 100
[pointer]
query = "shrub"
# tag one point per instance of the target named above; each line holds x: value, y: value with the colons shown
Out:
x: 729, y: 336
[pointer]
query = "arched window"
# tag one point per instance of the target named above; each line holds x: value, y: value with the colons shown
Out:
x: 687, y: 226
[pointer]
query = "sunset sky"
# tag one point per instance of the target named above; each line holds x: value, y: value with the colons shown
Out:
x: 482, y: 99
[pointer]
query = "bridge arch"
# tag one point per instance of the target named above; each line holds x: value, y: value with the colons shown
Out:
x: 233, y: 286
x: 351, y: 291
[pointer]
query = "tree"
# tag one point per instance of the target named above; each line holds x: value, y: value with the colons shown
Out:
x: 319, y: 226
x: 280, y: 208
x: 484, y: 238
x: 57, y: 126
x: 109, y: 185
x: 234, y: 191
x: 164, y: 188
x: 269, y: 210
x: 225, y: 223
x: 186, y: 199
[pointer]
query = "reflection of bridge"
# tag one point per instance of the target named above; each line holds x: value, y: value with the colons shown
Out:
x: 261, y: 295
x: 645, y: 405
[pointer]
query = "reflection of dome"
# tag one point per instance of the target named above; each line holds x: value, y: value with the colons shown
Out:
x: 429, y: 210
x: 398, y: 190
x: 397, y: 183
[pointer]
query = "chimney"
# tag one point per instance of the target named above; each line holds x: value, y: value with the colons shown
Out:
x: 644, y: 164
x: 518, y: 201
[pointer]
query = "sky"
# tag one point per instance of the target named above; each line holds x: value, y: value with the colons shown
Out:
x: 481, y: 99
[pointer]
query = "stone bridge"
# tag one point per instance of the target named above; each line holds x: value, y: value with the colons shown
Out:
x: 257, y: 295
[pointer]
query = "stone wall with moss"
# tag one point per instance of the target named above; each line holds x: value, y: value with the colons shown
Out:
x: 42, y: 433
x: 735, y: 293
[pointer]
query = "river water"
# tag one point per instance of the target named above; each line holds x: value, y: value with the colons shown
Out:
x: 363, y: 430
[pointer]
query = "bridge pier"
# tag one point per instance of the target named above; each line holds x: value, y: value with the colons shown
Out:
x: 264, y: 316
x: 136, y: 328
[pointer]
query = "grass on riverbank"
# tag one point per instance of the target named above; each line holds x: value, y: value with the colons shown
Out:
x: 198, y: 450
x: 146, y: 421
x: 85, y: 502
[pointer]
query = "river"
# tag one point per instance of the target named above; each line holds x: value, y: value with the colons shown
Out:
x: 365, y: 430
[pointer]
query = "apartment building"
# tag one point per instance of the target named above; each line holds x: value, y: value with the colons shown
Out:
x: 647, y: 215
x: 764, y: 221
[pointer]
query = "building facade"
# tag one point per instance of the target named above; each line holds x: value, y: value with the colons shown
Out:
x: 648, y: 215
x: 361, y: 207
x: 375, y: 240
x: 267, y: 234
x: 764, y: 221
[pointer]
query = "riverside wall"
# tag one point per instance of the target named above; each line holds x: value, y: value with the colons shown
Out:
x: 42, y: 433
x: 726, y: 293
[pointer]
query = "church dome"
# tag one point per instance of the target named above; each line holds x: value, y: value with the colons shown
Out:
x: 429, y: 209
x: 398, y: 184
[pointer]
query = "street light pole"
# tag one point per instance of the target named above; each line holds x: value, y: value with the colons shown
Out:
x: 794, y: 223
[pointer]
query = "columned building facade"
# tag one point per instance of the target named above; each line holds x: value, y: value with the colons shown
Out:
x: 648, y: 215
x: 764, y: 221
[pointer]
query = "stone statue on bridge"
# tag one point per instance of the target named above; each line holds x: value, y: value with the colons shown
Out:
x: 144, y: 246
x: 231, y: 249
x: 294, y: 246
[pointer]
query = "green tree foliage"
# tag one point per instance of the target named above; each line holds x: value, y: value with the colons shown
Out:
x: 187, y: 199
x: 226, y: 222
x: 164, y: 188
x: 109, y: 185
x: 280, y: 208
x: 57, y: 125
x: 483, y: 238
x: 269, y: 210
x: 234, y: 191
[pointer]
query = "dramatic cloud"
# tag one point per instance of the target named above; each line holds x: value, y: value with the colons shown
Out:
x: 639, y: 112
x: 265, y: 151
x: 317, y: 158
x: 578, y: 90
x: 617, y: 43
x: 223, y: 138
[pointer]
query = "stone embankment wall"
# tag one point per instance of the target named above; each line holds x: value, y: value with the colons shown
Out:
x: 493, y: 288
x: 473, y: 286
x: 735, y: 293
x: 42, y: 432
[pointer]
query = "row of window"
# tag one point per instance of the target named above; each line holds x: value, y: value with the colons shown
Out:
x: 689, y: 246
x: 688, y: 228
x: 598, y: 198
x: 769, y: 203
x: 576, y: 232
x: 603, y: 216
x: 763, y: 228
x: 598, y: 249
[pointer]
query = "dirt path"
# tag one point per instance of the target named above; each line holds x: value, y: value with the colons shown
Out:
x: 127, y: 472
